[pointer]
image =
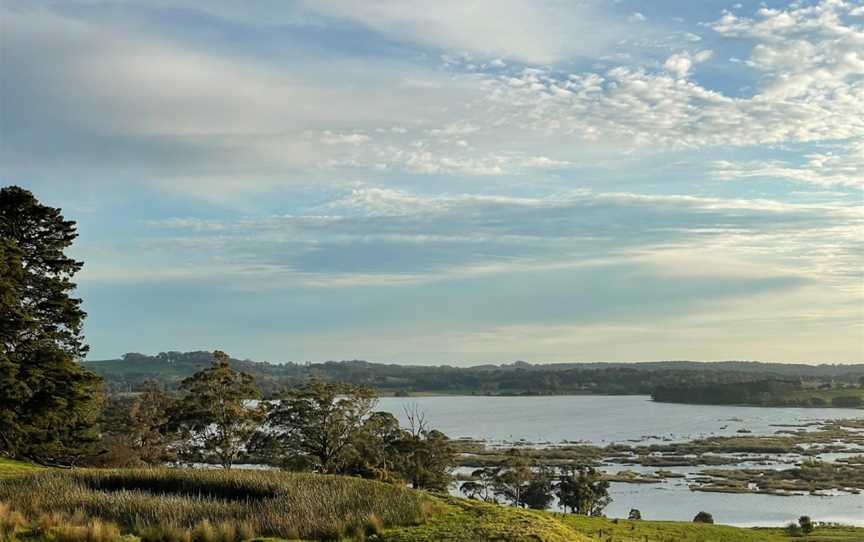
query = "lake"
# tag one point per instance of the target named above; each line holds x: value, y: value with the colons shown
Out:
x: 602, y: 420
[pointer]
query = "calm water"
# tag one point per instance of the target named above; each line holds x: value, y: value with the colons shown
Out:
x: 622, y: 419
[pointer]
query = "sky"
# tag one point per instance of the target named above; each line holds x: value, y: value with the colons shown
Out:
x: 459, y: 181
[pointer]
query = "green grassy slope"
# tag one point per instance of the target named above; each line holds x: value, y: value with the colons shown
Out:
x: 464, y: 520
x: 226, y: 498
x: 10, y: 468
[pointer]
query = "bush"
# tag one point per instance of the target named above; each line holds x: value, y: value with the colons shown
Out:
x: 635, y: 514
x: 806, y: 524
x: 703, y: 517
x: 793, y: 530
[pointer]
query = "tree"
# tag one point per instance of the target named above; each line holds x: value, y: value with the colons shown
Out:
x: 482, y: 484
x: 374, y: 452
x: 48, y: 403
x: 806, y: 525
x: 634, y: 514
x: 538, y: 493
x: 135, y: 429
x: 582, y: 490
x: 424, y: 454
x: 703, y: 517
x: 213, y: 416
x: 514, y: 477
x: 317, y: 425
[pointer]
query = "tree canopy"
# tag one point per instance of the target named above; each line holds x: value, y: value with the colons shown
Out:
x: 49, y: 404
x: 213, y: 416
x: 317, y: 425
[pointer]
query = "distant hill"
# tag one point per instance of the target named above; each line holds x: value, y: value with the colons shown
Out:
x: 131, y: 371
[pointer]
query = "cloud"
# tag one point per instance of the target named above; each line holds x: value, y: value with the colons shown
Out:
x: 350, y: 139
x: 539, y: 32
x: 95, y: 99
x: 680, y: 63
x: 842, y: 167
x: 382, y: 236
x: 806, y: 50
x: 79, y: 94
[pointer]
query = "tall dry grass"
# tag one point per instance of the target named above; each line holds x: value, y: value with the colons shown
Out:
x: 215, y: 506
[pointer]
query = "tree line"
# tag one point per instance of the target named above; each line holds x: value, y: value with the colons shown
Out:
x: 580, y: 489
x: 217, y: 417
x: 133, y: 370
x: 766, y: 392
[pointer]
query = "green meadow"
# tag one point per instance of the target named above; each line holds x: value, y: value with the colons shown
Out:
x: 165, y: 505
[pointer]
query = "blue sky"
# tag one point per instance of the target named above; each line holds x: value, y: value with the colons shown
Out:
x: 450, y: 182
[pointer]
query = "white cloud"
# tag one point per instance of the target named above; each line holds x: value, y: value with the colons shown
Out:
x: 352, y: 239
x: 843, y: 166
x: 681, y: 63
x: 190, y: 120
x: 811, y: 89
x: 534, y: 31
x: 215, y: 125
x: 338, y: 139
x: 806, y: 50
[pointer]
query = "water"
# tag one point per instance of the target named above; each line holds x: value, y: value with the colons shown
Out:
x: 604, y: 420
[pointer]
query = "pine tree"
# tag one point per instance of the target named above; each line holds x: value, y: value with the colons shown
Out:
x: 49, y: 404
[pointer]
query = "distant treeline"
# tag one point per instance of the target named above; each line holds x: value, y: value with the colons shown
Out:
x: 766, y: 393
x: 133, y: 370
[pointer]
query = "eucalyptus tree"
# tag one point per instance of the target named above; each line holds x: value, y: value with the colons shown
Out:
x: 214, y: 416
x: 318, y: 425
x: 582, y: 490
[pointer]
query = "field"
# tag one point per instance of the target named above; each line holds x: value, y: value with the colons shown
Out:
x: 215, y: 506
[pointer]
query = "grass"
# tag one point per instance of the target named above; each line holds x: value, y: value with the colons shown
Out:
x: 466, y: 520
x: 218, y: 506
x: 10, y: 468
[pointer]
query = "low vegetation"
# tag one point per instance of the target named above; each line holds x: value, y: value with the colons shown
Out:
x: 162, y: 504
x: 233, y: 506
x: 10, y: 468
x: 810, y: 476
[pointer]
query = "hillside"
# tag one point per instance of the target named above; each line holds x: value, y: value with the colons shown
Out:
x: 234, y: 506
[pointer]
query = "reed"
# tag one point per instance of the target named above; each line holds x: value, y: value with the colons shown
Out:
x: 214, y: 506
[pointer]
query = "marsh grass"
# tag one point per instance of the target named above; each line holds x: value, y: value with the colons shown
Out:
x: 212, y: 506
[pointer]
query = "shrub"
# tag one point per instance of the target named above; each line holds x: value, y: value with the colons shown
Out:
x: 806, y: 524
x: 635, y: 514
x: 793, y: 530
x: 703, y: 517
